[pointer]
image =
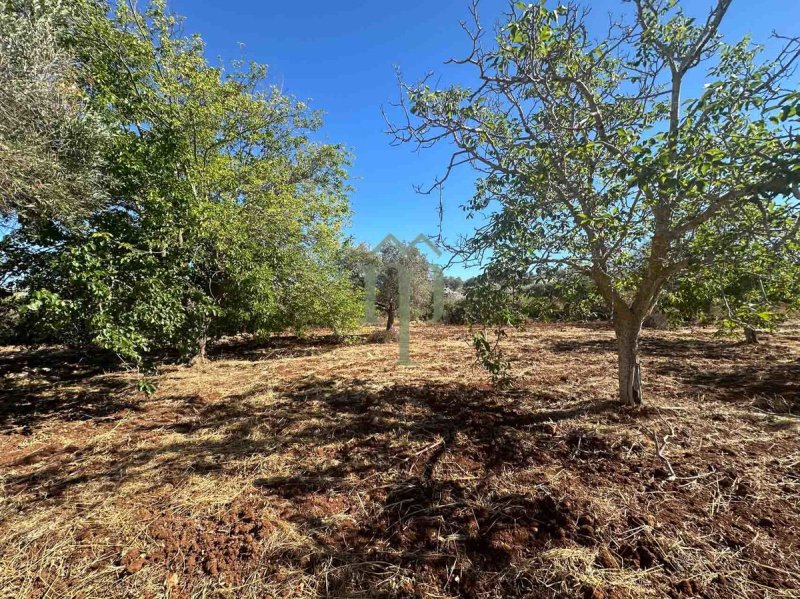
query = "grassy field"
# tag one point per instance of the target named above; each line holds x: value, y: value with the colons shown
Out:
x: 303, y: 468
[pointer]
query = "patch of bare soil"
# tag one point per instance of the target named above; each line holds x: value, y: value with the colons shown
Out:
x: 308, y: 468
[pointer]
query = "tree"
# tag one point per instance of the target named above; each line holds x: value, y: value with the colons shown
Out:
x: 223, y: 215
x: 592, y: 158
x: 453, y: 283
x: 50, y: 144
x: 750, y: 287
x: 394, y: 263
x: 563, y: 295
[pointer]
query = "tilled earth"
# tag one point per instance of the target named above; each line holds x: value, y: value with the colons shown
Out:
x: 310, y: 468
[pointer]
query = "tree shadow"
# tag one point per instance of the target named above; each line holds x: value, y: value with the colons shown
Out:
x: 656, y: 347
x: 583, y: 345
x: 772, y: 388
x: 426, y: 516
x: 250, y: 348
x: 686, y: 349
x: 713, y: 367
x: 366, y: 431
x: 423, y: 457
x: 40, y: 384
x: 37, y: 385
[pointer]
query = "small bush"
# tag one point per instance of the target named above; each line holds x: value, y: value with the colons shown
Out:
x: 454, y: 311
x: 656, y: 320
x: 491, y: 357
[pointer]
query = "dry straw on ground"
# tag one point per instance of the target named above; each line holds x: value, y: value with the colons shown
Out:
x: 308, y: 468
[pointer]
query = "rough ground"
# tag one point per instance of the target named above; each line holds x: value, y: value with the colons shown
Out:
x: 302, y: 468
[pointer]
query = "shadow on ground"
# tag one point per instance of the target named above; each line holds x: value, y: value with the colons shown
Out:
x: 277, y: 347
x: 42, y: 384
x: 387, y: 479
x: 417, y: 458
x: 719, y: 367
x: 58, y: 384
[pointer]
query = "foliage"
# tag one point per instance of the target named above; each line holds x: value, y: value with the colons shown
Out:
x: 491, y: 357
x: 454, y: 310
x: 750, y: 286
x: 455, y: 284
x: 224, y: 216
x: 50, y: 140
x: 393, y: 261
x: 493, y: 302
x: 146, y: 386
x: 564, y: 295
x: 591, y: 159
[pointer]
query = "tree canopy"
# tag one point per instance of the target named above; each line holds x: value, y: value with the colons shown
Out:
x: 50, y: 159
x: 222, y: 214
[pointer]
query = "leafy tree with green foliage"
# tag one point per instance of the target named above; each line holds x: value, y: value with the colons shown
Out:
x: 50, y: 143
x: 564, y: 295
x: 393, y: 263
x: 453, y: 283
x: 223, y: 215
x: 751, y: 286
x: 593, y: 159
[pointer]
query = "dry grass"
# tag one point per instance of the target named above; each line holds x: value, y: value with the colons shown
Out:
x: 303, y: 468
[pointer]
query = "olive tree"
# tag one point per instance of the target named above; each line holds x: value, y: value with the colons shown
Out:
x: 49, y: 139
x: 593, y: 156
x: 394, y: 262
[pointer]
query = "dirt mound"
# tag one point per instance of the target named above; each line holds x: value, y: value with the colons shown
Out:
x: 437, y: 517
x: 223, y: 546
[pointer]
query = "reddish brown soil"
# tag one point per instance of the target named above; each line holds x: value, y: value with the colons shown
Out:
x: 303, y: 468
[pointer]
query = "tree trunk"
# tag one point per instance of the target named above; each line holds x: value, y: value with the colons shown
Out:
x: 628, y: 328
x: 202, y: 343
x: 389, y: 318
x: 201, y: 349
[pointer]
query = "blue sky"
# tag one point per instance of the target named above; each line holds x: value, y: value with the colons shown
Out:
x: 341, y: 56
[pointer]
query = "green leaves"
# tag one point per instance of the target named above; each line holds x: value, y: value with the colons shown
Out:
x: 146, y: 386
x: 492, y: 359
x: 786, y: 112
x: 225, y: 216
x: 50, y: 141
